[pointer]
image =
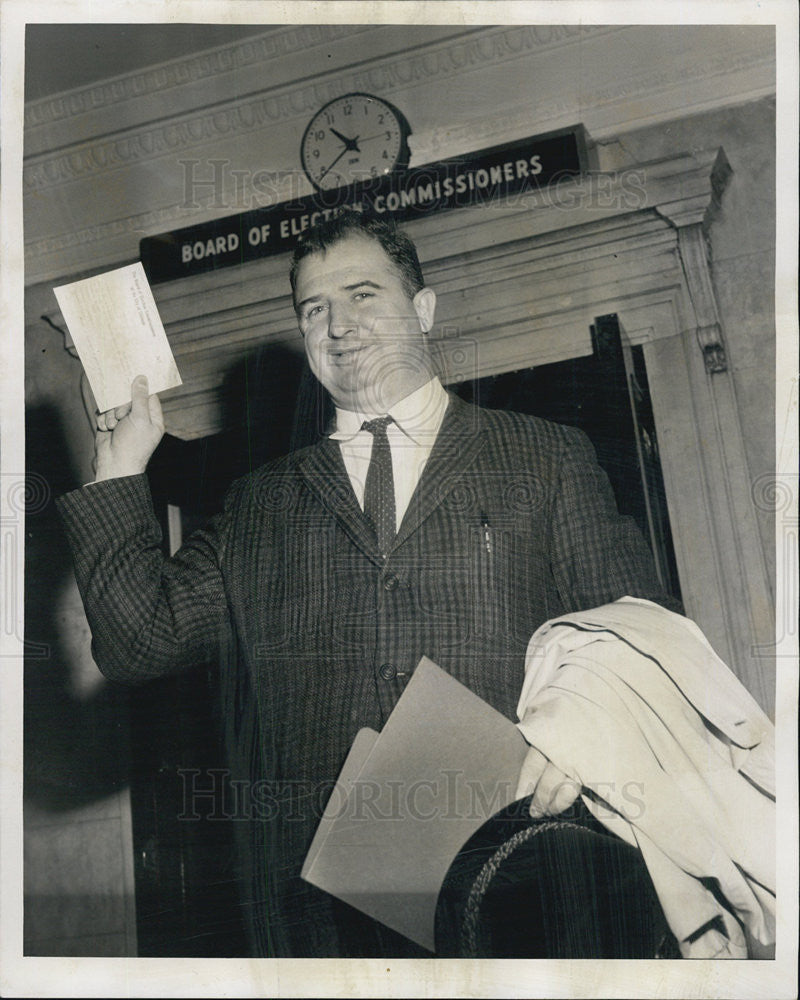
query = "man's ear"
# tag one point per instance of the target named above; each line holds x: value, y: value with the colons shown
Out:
x: 425, y: 306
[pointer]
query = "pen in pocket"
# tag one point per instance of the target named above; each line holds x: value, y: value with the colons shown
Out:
x: 487, y: 534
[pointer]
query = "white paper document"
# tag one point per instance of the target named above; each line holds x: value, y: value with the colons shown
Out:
x: 118, y: 334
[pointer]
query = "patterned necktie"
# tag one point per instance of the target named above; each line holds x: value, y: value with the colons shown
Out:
x: 379, y: 487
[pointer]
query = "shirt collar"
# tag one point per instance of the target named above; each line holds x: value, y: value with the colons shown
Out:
x: 418, y: 415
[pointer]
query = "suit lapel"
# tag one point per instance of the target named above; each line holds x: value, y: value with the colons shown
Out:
x: 324, y: 472
x: 457, y: 445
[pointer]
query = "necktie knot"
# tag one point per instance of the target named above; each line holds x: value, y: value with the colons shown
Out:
x: 376, y: 426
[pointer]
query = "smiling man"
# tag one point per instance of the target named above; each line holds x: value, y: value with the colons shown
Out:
x: 364, y: 315
x: 421, y: 526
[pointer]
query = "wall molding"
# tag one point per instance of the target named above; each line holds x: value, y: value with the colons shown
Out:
x: 186, y: 70
x: 692, y: 217
x: 97, y: 149
x: 286, y: 101
x: 492, y: 44
x: 238, y: 116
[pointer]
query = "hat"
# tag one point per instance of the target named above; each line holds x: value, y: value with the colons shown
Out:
x: 556, y: 887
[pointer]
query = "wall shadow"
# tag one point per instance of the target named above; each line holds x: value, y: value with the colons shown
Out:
x: 81, y: 748
x: 75, y: 747
x: 272, y: 405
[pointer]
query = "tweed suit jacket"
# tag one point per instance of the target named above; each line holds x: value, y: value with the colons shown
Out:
x: 512, y: 523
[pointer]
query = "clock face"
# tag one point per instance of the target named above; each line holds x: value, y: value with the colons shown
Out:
x: 351, y: 139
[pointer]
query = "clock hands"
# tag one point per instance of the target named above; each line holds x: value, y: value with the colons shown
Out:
x: 368, y: 137
x: 350, y: 145
x: 327, y: 170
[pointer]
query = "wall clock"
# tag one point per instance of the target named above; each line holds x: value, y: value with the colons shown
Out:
x: 354, y: 138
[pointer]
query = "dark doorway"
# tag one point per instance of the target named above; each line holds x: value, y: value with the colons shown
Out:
x: 606, y: 395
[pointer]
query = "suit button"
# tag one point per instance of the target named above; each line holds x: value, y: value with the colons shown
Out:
x: 387, y: 671
x: 390, y: 583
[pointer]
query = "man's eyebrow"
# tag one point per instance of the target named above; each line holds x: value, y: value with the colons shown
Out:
x: 360, y: 284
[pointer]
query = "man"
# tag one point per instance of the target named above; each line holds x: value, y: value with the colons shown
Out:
x: 448, y: 531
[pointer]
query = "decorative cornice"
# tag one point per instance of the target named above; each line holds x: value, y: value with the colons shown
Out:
x: 286, y: 102
x: 677, y: 78
x: 289, y: 101
x: 488, y: 45
x: 492, y: 45
x: 143, y: 144
x: 180, y: 72
x: 701, y: 194
x: 134, y: 224
x: 514, y: 122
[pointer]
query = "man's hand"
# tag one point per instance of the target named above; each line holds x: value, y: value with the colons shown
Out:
x: 553, y: 791
x: 128, y: 435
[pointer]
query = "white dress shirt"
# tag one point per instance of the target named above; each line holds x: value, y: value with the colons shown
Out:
x: 417, y: 419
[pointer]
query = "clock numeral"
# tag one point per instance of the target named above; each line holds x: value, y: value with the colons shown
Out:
x: 329, y: 118
x: 384, y: 155
x: 380, y: 119
x: 315, y: 152
x: 319, y: 135
x: 388, y: 135
x: 348, y: 109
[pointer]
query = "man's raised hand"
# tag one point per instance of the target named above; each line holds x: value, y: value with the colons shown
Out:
x: 128, y: 435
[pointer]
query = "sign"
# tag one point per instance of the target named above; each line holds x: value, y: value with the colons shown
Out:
x: 526, y: 166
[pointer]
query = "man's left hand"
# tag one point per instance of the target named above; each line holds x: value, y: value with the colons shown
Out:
x: 552, y: 790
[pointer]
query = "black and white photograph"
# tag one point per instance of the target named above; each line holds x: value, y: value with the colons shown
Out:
x: 399, y: 499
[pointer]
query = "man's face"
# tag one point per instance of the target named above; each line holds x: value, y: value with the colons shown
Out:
x: 364, y: 335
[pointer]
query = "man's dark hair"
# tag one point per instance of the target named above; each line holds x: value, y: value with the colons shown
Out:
x: 396, y: 245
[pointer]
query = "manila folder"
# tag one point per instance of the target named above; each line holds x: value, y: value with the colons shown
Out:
x: 408, y: 798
